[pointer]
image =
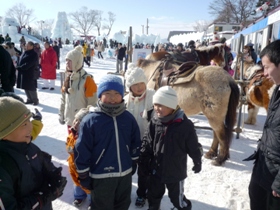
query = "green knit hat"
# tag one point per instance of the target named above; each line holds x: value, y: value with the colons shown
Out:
x: 12, y: 114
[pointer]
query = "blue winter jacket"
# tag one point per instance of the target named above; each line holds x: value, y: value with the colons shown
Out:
x: 107, y: 145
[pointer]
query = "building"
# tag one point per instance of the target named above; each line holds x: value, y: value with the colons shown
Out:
x: 226, y: 30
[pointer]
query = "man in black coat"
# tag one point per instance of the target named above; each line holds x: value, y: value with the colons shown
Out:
x: 27, y: 78
x: 120, y: 56
x: 57, y: 50
x: 264, y: 188
x: 7, y: 71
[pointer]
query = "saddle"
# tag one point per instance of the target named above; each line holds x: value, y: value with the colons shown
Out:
x: 169, y: 75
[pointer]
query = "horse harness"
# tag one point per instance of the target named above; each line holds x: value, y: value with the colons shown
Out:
x: 256, y: 78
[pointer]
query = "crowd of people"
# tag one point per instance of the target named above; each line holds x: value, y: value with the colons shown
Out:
x: 28, y: 64
x: 111, y: 135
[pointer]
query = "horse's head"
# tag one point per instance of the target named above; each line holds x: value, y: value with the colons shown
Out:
x: 212, y: 52
x: 217, y: 54
x: 157, y: 56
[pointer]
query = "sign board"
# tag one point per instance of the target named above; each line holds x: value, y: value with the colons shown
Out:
x: 140, y: 53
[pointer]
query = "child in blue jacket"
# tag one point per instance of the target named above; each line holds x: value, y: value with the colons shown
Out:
x: 108, y: 147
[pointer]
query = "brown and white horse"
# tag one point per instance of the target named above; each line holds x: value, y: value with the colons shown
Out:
x: 205, y: 54
x: 211, y: 91
x: 258, y: 91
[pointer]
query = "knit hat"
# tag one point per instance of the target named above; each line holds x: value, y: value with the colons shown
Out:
x: 76, y: 57
x: 81, y: 113
x: 166, y: 96
x: 13, y: 113
x: 134, y: 75
x: 110, y: 82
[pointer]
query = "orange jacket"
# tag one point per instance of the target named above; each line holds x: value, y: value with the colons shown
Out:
x: 92, y: 53
x: 70, y: 143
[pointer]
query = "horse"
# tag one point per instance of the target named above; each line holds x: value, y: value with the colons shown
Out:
x: 258, y: 91
x: 211, y: 91
x: 205, y: 54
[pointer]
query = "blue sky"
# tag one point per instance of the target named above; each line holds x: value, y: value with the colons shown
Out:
x: 163, y: 15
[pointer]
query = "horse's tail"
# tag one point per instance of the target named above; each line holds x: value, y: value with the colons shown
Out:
x: 231, y: 113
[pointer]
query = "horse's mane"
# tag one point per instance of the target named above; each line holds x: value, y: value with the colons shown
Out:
x: 144, y: 62
x: 210, y: 47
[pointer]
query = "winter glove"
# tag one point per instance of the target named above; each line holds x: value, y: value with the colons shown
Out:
x: 86, y: 183
x: 61, y: 120
x: 54, y: 177
x: 37, y: 115
x: 197, y: 168
x: 51, y: 193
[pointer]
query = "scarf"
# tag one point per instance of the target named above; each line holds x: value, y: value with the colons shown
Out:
x: 112, y: 110
x: 169, y: 118
x: 68, y: 80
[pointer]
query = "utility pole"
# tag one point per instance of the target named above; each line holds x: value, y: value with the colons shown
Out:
x: 142, y: 29
x: 147, y: 26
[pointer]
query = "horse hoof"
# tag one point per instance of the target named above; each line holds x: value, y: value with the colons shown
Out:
x: 248, y: 122
x: 210, y: 154
x: 219, y: 161
x: 216, y: 163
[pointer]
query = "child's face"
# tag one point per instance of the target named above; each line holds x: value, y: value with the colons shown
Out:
x: 162, y: 110
x: 111, y: 97
x: 138, y: 89
x: 22, y: 133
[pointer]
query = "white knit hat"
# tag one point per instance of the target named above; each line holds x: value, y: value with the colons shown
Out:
x: 76, y: 57
x: 134, y: 75
x: 166, y: 96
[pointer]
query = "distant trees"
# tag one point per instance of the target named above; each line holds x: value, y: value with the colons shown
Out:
x: 201, y: 25
x: 232, y: 11
x: 48, y: 24
x: 84, y: 21
x: 42, y: 25
x: 237, y: 11
x: 111, y: 20
x: 98, y: 21
x: 23, y: 15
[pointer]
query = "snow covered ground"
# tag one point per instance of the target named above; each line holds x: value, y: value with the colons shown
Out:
x: 214, y: 188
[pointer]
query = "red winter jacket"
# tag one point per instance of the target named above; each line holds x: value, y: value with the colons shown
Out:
x: 48, y: 63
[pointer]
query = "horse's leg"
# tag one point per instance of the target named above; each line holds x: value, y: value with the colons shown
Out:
x: 252, y: 114
x: 223, y: 154
x: 223, y: 126
x: 213, y: 151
